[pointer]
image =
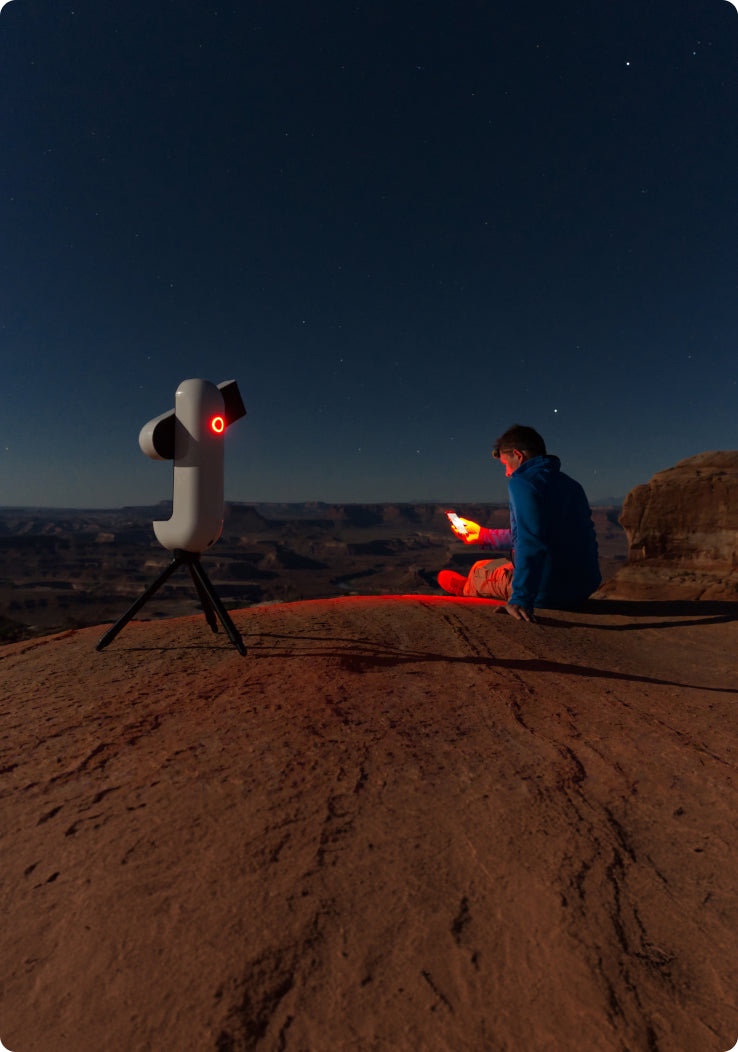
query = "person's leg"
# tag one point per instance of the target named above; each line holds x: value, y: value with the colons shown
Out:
x: 452, y: 582
x: 490, y: 579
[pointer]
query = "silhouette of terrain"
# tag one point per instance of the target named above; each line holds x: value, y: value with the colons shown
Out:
x: 70, y: 568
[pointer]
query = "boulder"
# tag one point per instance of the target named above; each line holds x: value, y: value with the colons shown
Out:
x: 682, y: 530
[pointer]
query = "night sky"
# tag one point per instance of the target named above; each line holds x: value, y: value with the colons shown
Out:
x: 401, y: 225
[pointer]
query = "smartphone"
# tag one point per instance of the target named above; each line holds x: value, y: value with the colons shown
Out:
x: 456, y: 522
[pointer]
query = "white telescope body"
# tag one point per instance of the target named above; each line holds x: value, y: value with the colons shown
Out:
x: 191, y: 435
x: 199, y: 425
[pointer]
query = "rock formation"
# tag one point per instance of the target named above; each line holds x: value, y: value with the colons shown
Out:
x: 682, y: 530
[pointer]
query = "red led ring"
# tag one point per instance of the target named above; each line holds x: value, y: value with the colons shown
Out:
x: 217, y: 425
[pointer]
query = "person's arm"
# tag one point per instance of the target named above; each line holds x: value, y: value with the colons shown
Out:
x: 489, y: 538
x: 483, y: 536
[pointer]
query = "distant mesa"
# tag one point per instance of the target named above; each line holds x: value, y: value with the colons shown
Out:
x: 682, y: 530
x: 287, y: 559
x: 67, y: 568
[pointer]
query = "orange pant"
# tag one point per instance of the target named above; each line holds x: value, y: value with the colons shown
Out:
x: 490, y: 579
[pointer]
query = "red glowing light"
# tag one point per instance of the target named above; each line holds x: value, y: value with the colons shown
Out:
x: 217, y: 425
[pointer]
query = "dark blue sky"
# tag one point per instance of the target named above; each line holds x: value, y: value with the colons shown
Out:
x: 401, y: 226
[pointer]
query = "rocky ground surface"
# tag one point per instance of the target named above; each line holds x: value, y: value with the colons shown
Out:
x: 397, y: 823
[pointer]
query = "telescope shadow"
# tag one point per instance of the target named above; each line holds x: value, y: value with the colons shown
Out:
x: 365, y: 656
x: 360, y: 656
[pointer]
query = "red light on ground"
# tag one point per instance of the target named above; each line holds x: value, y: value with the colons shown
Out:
x: 217, y: 425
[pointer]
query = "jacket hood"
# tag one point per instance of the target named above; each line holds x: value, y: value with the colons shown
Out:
x: 536, y: 465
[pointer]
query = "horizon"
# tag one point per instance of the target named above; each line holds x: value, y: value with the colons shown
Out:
x: 605, y: 502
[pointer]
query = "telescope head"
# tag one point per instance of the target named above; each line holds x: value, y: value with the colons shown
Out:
x: 192, y: 435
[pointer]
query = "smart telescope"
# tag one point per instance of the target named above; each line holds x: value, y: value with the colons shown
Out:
x: 191, y: 435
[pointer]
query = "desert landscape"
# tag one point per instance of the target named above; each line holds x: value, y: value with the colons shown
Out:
x: 67, y: 569
x: 401, y: 821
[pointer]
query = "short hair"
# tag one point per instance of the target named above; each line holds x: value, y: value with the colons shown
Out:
x: 526, y: 439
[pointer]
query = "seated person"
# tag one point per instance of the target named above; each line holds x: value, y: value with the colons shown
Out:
x: 552, y: 536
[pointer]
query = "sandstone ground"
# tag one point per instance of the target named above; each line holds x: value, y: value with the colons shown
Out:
x: 397, y: 823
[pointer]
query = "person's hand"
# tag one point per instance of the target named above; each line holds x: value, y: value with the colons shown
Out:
x: 520, y: 613
x: 473, y: 529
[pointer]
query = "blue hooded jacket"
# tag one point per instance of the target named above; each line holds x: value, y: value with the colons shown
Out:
x: 553, y: 537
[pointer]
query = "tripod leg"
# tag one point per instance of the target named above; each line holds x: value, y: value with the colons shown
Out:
x: 135, y: 607
x: 205, y: 602
x: 233, y: 634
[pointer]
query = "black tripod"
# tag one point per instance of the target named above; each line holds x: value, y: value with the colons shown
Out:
x: 207, y: 595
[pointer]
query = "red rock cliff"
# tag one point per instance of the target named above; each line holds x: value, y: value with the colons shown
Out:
x: 682, y: 530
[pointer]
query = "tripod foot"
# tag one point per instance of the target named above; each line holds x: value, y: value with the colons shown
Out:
x: 206, y: 591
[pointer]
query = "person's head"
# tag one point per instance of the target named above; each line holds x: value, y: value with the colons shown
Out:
x: 518, y: 444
